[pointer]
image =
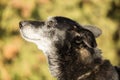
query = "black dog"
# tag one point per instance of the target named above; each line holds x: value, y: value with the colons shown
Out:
x: 71, y: 49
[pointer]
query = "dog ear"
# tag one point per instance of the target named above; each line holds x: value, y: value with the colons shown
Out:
x: 87, y: 38
x: 95, y: 30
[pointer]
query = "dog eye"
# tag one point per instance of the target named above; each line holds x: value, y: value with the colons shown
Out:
x: 78, y: 40
x: 50, y: 24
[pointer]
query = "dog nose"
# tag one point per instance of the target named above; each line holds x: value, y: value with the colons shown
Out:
x: 22, y: 24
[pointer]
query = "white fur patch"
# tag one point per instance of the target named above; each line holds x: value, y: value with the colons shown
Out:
x: 46, y: 45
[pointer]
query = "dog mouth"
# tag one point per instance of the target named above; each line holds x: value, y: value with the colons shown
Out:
x: 30, y: 38
x: 27, y: 37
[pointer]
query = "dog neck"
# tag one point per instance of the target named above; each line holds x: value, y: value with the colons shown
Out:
x: 53, y: 61
x: 65, y: 63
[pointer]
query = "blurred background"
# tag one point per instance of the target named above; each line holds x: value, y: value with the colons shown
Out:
x: 21, y: 60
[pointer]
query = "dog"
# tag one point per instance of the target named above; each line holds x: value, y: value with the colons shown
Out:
x: 70, y: 48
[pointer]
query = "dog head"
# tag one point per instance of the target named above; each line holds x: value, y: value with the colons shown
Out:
x: 58, y: 31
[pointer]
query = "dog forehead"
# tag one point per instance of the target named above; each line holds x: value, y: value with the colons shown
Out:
x: 60, y: 19
x: 63, y: 22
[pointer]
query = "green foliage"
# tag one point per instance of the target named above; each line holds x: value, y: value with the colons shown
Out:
x: 20, y: 60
